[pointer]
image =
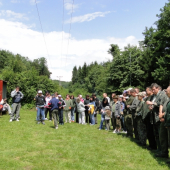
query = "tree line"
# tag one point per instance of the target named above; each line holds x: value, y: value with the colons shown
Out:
x: 136, y: 66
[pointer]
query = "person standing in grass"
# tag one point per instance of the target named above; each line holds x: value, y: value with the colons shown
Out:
x: 47, y: 107
x: 67, y: 108
x: 108, y: 115
x: 103, y: 105
x: 97, y: 103
x: 17, y: 96
x: 86, y: 102
x: 73, y: 108
x: 60, y: 110
x: 92, y: 106
x: 40, y: 103
x: 55, y: 105
x: 81, y: 111
x: 117, y: 113
x: 141, y: 128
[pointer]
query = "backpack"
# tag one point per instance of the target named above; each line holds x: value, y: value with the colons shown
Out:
x: 91, y: 109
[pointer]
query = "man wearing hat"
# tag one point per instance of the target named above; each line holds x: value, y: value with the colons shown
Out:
x: 40, y: 103
x: 141, y: 128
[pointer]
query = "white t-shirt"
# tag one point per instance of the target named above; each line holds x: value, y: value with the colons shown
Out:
x: 108, y: 99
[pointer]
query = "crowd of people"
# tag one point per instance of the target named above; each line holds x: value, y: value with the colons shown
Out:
x: 140, y: 115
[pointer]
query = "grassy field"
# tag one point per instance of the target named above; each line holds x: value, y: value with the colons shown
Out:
x: 27, y: 145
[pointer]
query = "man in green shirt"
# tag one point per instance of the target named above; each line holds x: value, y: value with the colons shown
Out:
x: 163, y: 127
x: 128, y: 114
x: 156, y: 107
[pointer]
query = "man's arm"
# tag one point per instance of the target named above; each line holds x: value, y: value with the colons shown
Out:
x: 13, y: 93
x: 21, y: 95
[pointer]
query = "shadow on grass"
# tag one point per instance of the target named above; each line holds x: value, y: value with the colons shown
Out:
x: 161, y: 161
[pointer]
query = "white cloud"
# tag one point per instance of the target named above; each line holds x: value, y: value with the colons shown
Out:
x: 12, y: 15
x: 32, y: 2
x: 88, y: 17
x: 19, y: 38
x: 0, y: 2
x: 15, y: 1
x: 69, y: 6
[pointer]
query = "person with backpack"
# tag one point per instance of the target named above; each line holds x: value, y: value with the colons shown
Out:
x: 17, y: 96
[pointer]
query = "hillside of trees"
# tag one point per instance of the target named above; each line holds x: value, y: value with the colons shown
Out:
x: 29, y: 75
x: 133, y: 66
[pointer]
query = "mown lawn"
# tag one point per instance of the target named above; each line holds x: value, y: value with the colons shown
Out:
x: 27, y: 145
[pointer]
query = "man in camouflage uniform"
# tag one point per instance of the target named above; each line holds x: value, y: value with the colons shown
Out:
x: 132, y: 109
x: 155, y: 105
x: 128, y: 114
x: 163, y: 136
x: 146, y: 119
x: 166, y: 120
x: 141, y: 128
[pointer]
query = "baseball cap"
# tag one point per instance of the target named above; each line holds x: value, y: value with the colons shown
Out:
x: 39, y: 91
x: 140, y: 94
x: 59, y: 96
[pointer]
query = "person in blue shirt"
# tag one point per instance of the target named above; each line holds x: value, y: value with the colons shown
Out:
x: 55, y: 105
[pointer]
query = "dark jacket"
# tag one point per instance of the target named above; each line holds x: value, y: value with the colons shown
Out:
x: 54, y: 103
x: 167, y: 115
x: 86, y: 102
x: 40, y: 100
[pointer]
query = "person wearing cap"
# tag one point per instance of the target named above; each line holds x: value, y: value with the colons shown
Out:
x: 132, y: 109
x: 60, y: 110
x: 141, y: 128
x: 116, y: 111
x: 55, y: 105
x: 17, y: 96
x: 128, y: 114
x: 40, y: 104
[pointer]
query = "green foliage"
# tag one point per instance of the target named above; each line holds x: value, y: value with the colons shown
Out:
x: 18, y: 70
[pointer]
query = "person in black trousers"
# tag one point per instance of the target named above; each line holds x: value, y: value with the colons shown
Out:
x: 86, y: 102
x: 60, y: 111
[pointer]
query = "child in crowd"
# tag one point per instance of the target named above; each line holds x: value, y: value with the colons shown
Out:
x: 108, y: 115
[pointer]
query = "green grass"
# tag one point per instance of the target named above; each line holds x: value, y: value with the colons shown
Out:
x: 27, y: 145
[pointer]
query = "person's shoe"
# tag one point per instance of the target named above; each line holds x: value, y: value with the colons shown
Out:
x: 56, y: 127
x: 10, y: 120
x: 115, y: 131
x: 43, y: 123
x: 162, y: 156
x: 38, y: 122
x: 73, y: 121
x: 84, y: 123
x: 17, y: 120
x: 118, y: 131
x: 99, y: 129
x: 46, y: 119
x: 151, y: 149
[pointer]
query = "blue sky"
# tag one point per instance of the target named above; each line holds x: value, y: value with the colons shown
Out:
x: 95, y: 25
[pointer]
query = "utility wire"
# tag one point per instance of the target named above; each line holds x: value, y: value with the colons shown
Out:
x: 42, y: 31
x: 69, y: 32
x: 62, y: 34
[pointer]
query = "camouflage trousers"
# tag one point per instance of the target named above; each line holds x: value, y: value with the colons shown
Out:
x: 141, y: 128
x: 129, y: 124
